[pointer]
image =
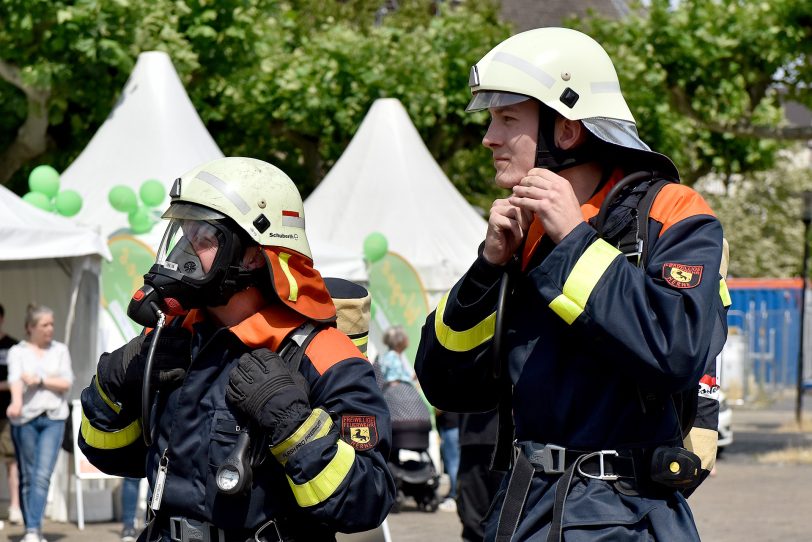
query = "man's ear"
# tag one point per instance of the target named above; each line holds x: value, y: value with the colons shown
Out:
x: 253, y: 258
x: 569, y: 133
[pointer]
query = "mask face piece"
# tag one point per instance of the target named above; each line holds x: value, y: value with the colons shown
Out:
x: 190, y: 247
x: 197, y: 265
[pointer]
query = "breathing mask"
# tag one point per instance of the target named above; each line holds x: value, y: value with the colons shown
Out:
x: 198, y: 264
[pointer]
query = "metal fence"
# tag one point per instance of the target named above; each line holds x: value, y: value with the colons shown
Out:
x: 761, y: 356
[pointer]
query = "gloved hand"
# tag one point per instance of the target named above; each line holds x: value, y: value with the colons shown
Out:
x: 262, y: 386
x: 121, y: 374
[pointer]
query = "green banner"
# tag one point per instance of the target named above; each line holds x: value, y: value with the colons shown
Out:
x: 122, y: 276
x: 398, y: 298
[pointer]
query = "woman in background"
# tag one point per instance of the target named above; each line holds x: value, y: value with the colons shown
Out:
x: 40, y: 377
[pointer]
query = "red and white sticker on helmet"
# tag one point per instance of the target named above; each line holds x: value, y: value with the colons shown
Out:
x: 293, y: 219
x: 682, y: 276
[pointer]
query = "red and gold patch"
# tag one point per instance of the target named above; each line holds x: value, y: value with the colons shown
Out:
x: 682, y: 276
x: 360, y: 432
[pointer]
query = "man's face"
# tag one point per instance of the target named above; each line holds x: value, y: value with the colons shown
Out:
x: 511, y: 137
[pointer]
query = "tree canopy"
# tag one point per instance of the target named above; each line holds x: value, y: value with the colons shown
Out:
x: 288, y: 82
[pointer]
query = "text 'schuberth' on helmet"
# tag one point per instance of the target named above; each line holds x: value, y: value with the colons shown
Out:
x: 217, y: 210
x: 571, y: 74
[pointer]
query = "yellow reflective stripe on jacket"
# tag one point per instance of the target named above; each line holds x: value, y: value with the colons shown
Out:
x: 109, y: 402
x: 462, y: 341
x: 314, y: 427
x: 724, y: 293
x: 589, y: 268
x: 103, y: 440
x: 322, y: 487
x: 294, y: 287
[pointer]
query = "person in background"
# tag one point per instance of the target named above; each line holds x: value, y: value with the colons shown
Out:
x: 394, y: 365
x: 129, y: 508
x: 448, y: 427
x: 477, y: 484
x: 15, y: 515
x: 40, y: 377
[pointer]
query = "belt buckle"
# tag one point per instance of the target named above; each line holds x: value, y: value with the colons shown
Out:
x: 184, y: 530
x: 552, y: 459
x: 264, y: 526
x: 600, y: 454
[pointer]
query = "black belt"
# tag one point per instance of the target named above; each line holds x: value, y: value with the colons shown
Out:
x: 532, y: 457
x: 601, y: 464
x: 181, y: 529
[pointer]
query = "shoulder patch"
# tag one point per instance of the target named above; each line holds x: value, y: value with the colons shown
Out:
x: 676, y: 202
x: 329, y: 347
x: 359, y: 431
x: 682, y: 276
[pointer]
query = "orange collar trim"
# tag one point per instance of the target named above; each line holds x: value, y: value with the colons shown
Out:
x: 266, y: 328
x: 588, y: 209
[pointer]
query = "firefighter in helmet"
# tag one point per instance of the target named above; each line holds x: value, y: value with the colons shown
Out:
x: 586, y: 345
x: 245, y: 426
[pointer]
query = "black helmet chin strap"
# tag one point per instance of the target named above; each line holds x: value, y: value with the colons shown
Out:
x: 548, y: 155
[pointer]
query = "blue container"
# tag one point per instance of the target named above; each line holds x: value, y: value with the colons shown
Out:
x: 767, y: 313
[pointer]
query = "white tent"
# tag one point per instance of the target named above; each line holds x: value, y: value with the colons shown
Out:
x: 153, y: 132
x: 387, y: 181
x: 49, y: 260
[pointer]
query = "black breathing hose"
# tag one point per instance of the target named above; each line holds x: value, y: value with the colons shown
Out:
x: 146, y: 391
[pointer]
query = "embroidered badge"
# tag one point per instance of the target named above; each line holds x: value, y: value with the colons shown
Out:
x: 360, y: 432
x: 682, y: 276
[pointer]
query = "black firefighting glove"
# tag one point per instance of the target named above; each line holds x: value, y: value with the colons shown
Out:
x: 121, y: 374
x: 262, y: 387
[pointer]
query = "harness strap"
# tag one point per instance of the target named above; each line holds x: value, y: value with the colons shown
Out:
x: 561, y: 491
x: 518, y: 486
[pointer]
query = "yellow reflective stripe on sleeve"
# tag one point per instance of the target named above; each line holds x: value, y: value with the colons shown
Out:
x: 361, y: 343
x: 724, y: 293
x: 109, y: 402
x: 586, y: 273
x: 103, y: 440
x: 462, y: 341
x: 314, y: 427
x: 322, y: 487
x: 294, y: 287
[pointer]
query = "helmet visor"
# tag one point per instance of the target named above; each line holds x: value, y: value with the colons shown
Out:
x: 190, y: 247
x: 485, y: 99
x: 192, y: 211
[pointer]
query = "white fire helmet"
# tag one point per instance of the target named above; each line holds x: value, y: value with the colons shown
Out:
x: 258, y: 197
x: 567, y: 71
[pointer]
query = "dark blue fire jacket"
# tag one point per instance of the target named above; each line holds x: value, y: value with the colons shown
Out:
x: 595, y: 347
x: 335, y: 482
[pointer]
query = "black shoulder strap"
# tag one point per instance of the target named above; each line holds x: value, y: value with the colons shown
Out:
x: 297, y: 342
x: 643, y: 212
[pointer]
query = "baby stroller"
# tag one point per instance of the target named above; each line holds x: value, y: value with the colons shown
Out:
x: 409, y: 461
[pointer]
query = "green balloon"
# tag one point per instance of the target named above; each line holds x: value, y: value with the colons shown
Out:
x: 123, y: 199
x: 375, y: 247
x: 44, y: 179
x: 140, y: 221
x: 68, y: 202
x: 152, y: 193
x: 39, y: 200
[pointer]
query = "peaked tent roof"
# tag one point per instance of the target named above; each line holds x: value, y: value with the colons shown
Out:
x: 153, y: 132
x: 28, y: 233
x: 387, y: 181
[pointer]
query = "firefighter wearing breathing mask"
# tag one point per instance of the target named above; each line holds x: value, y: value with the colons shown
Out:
x: 587, y: 343
x: 243, y: 444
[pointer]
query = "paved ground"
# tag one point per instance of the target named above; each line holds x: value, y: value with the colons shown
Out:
x: 746, y: 501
